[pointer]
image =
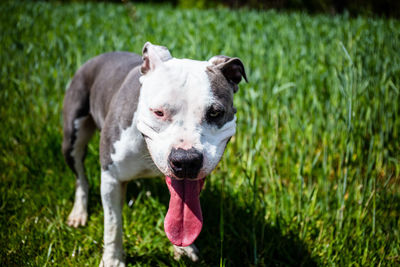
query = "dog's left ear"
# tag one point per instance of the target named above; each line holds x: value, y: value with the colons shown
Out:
x: 153, y: 57
x: 232, y: 68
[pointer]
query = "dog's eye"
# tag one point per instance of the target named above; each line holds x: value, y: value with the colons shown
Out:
x: 158, y: 113
x: 214, y: 113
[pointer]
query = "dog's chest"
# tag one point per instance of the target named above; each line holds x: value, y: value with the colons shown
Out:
x: 131, y: 158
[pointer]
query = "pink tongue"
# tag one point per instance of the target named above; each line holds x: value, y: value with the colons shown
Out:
x: 183, y: 221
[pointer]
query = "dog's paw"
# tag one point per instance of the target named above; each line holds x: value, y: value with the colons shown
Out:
x: 190, y: 251
x: 111, y: 263
x: 77, y: 217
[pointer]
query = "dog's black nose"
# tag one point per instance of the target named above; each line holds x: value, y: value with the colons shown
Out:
x: 185, y: 163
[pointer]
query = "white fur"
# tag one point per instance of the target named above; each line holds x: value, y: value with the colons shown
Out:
x: 182, y: 90
x: 131, y: 158
x: 156, y: 54
x: 213, y: 143
x: 111, y: 196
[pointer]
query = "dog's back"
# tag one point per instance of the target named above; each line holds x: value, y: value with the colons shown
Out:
x: 97, y: 81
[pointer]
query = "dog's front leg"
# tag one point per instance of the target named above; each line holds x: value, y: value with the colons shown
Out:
x: 112, y: 196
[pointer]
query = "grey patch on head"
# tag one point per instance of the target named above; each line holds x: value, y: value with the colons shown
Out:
x: 224, y: 76
x: 223, y: 93
x: 231, y: 68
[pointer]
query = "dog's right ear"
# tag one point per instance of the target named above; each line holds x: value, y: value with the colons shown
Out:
x: 153, y: 56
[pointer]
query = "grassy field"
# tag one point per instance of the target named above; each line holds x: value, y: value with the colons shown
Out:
x: 312, y: 176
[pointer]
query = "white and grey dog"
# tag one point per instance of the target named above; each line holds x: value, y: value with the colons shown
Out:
x: 157, y: 114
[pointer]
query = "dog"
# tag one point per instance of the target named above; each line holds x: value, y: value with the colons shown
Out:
x: 157, y: 115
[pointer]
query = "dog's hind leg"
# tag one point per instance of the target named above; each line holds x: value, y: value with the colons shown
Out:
x: 78, y: 129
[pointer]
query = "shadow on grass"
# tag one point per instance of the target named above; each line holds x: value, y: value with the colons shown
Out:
x: 153, y: 259
x: 240, y: 229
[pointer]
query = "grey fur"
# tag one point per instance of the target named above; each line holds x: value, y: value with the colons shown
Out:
x: 104, y: 88
x: 223, y: 87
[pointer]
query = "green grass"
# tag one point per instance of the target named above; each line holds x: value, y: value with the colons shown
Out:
x: 312, y: 176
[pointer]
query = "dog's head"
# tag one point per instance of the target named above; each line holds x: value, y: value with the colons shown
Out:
x: 186, y: 112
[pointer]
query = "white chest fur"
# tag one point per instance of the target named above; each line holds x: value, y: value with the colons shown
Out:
x: 131, y: 158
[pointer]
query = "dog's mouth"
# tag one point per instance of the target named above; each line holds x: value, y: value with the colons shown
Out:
x: 184, y: 220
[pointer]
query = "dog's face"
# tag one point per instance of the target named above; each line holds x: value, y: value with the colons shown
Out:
x: 186, y: 112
